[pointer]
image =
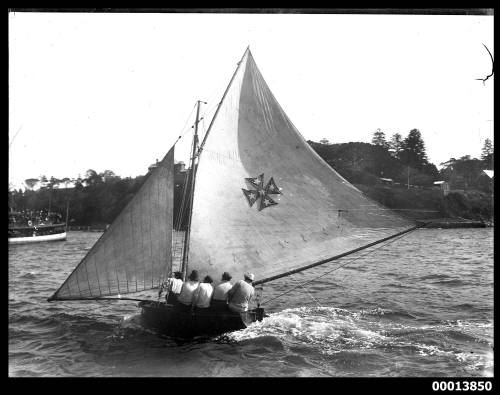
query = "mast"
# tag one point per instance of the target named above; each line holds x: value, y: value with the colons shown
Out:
x: 67, y: 213
x: 191, y: 194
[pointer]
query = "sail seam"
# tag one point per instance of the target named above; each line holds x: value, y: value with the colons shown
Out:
x: 78, y: 283
x: 116, y: 268
x: 88, y: 281
x: 106, y: 266
x: 150, y: 240
x: 142, y: 252
x: 263, y: 89
x: 132, y: 239
x: 97, y: 276
x: 159, y: 239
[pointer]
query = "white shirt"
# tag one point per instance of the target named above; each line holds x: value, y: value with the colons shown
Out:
x: 202, y: 295
x: 220, y: 291
x: 241, y: 294
x: 174, y: 285
x: 186, y: 295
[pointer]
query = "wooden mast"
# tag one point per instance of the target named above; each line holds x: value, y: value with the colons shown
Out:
x: 67, y: 214
x: 192, y: 174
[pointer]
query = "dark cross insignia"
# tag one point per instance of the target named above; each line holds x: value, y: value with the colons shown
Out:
x: 261, y: 191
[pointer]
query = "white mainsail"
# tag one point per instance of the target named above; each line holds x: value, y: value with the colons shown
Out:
x: 264, y: 202
x: 237, y: 225
x: 134, y: 253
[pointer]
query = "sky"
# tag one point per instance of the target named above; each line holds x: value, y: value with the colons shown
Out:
x: 114, y: 91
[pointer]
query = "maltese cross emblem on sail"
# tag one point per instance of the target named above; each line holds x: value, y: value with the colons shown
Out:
x: 261, y: 192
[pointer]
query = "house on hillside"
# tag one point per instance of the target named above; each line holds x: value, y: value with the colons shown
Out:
x: 443, y: 185
x: 153, y: 166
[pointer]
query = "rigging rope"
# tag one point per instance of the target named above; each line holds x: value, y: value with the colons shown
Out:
x: 168, y: 271
x: 184, y: 130
x: 305, y: 289
x: 339, y: 267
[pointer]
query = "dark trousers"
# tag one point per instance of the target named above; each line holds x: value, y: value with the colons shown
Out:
x: 218, y: 305
x: 172, y: 298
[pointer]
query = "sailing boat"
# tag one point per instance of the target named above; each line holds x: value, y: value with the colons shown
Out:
x: 261, y: 200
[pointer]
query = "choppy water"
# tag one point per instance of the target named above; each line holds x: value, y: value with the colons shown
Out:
x: 422, y: 306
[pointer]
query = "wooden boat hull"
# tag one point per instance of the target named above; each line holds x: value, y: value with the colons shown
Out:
x: 37, y: 239
x: 173, y: 321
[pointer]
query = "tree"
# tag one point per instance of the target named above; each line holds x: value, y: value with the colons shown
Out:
x: 379, y: 139
x: 108, y: 176
x: 53, y: 182
x: 31, y: 183
x: 396, y: 145
x: 413, y: 150
x: 487, y: 153
x: 462, y: 173
x: 43, y: 181
x: 92, y: 178
x: 66, y: 181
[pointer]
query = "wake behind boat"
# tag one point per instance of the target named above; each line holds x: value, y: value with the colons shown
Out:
x: 259, y: 199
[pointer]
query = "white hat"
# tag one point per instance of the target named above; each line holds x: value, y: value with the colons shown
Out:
x: 249, y: 275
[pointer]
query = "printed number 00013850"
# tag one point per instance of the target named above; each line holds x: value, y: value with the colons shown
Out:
x: 476, y: 385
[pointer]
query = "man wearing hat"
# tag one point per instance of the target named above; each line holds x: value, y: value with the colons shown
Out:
x: 219, y: 297
x: 241, y: 293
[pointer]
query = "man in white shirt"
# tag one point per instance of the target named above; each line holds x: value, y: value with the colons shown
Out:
x: 219, y: 297
x: 203, y: 294
x: 185, y: 298
x: 241, y: 293
x: 174, y: 286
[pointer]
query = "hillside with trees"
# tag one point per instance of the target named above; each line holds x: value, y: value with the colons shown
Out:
x: 398, y: 174
x: 395, y: 172
x: 366, y: 163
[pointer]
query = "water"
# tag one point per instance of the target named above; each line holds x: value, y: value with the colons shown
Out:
x: 422, y: 306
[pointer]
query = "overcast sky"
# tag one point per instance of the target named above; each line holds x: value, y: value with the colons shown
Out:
x: 114, y: 91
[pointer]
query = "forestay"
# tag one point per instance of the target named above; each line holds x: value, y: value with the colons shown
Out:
x: 134, y: 253
x: 307, y: 213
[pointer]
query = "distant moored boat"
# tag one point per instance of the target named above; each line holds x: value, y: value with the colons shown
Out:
x: 23, y: 230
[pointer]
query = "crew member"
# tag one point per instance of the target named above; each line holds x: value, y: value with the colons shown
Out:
x: 185, y: 298
x: 174, y: 287
x: 241, y: 293
x: 203, y: 294
x: 219, y: 298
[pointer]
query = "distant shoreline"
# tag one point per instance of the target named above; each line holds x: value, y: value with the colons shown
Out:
x: 445, y: 223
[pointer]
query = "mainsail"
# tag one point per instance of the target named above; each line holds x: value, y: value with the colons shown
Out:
x: 134, y: 253
x: 264, y: 201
